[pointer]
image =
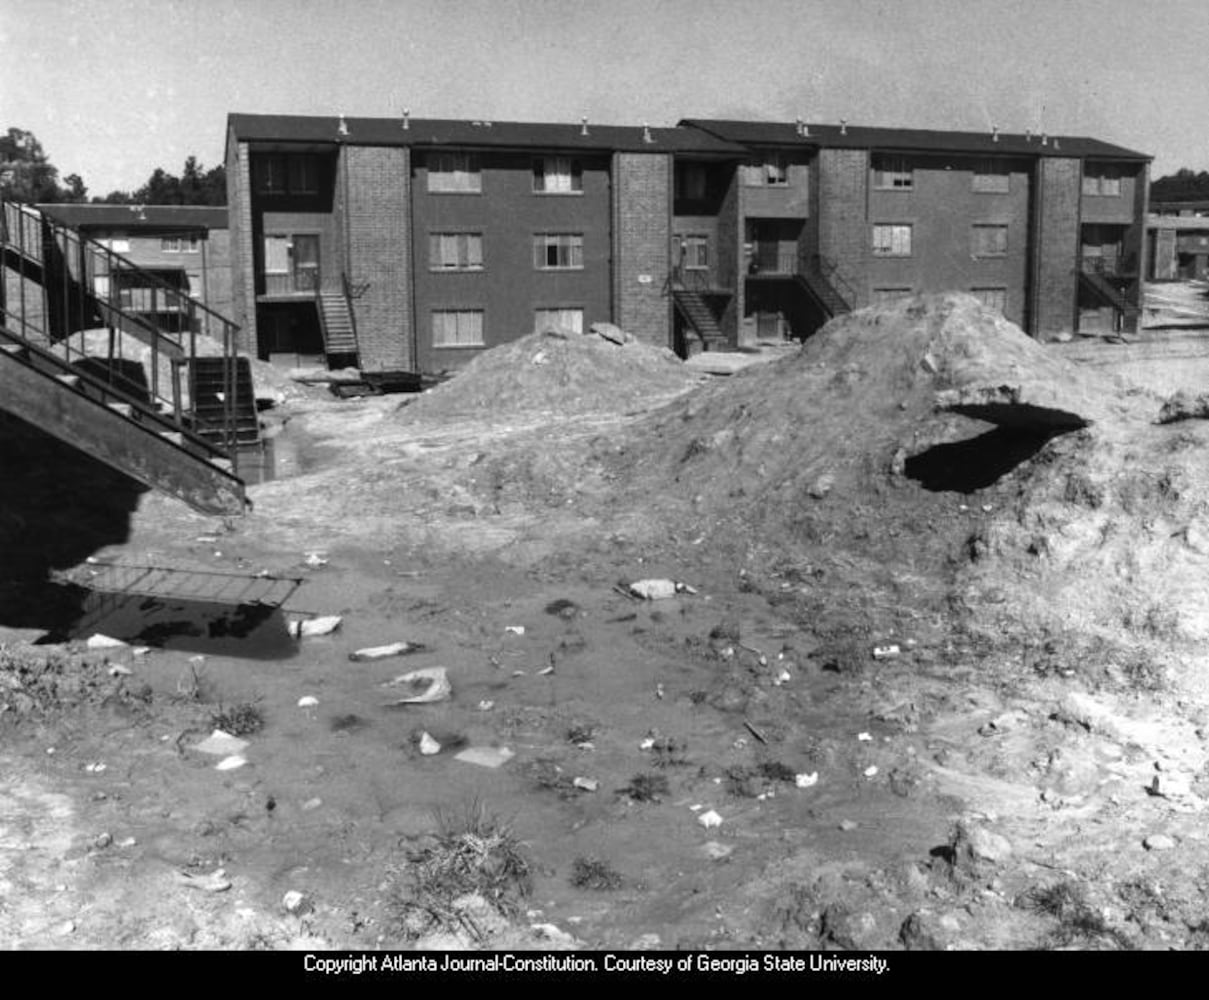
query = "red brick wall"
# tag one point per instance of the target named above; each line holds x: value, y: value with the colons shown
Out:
x: 1056, y: 245
x: 379, y: 225
x: 642, y: 191
x: 239, y: 219
x: 843, y: 229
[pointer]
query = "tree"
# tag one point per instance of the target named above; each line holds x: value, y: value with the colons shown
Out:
x: 195, y: 186
x: 1183, y: 185
x: 25, y: 172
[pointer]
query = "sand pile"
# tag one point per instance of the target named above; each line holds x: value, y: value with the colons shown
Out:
x: 558, y: 374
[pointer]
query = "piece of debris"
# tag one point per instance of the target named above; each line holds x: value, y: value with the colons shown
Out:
x: 710, y: 819
x: 658, y: 590
x: 587, y: 784
x: 308, y: 701
x: 870, y: 771
x: 806, y: 780
x: 1158, y: 842
x: 486, y: 756
x: 486, y: 705
x: 716, y: 851
x: 140, y: 650
x: 117, y: 670
x: 127, y: 842
x: 886, y: 652
x: 848, y: 825
x: 315, y: 560
x: 515, y: 629
x: 864, y: 737
x: 428, y: 746
x: 231, y: 763
x: 99, y: 641
x: 95, y: 768
x: 216, y: 881
x: 307, y: 627
x: 311, y: 804
x: 429, y: 684
x: 102, y: 840
x: 383, y: 652
x: 647, y: 744
x: 221, y: 744
x: 295, y: 902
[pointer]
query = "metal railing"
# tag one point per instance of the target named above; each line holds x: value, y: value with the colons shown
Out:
x: 1112, y: 266
x: 83, y: 285
x: 304, y: 281
x: 772, y: 262
x: 815, y: 265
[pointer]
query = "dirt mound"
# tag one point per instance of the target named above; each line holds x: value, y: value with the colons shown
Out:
x: 556, y: 373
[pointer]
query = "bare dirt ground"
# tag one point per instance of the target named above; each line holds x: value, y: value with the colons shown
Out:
x: 936, y: 681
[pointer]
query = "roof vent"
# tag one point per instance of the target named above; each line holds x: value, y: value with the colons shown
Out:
x: 406, y: 119
x: 843, y: 126
x: 797, y: 126
x: 1028, y: 135
x: 1055, y: 143
x: 646, y: 133
x: 342, y: 128
x: 1044, y: 139
x: 583, y: 126
x: 994, y: 133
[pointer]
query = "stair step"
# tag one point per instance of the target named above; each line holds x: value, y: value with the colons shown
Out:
x: 69, y: 380
x: 19, y: 351
x: 176, y: 437
x: 125, y: 409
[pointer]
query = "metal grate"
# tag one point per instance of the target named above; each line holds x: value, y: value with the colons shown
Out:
x: 207, y: 586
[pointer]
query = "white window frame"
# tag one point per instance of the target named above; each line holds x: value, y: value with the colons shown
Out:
x: 564, y: 245
x: 989, y: 240
x: 1102, y: 180
x: 893, y: 239
x: 569, y: 319
x: 455, y: 173
x: 892, y: 173
x: 558, y: 175
x: 696, y: 251
x: 455, y: 251
x: 170, y: 244
x: 457, y: 328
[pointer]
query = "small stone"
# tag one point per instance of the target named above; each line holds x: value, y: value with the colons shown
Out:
x: 709, y: 819
x: 587, y: 784
x: 848, y: 825
x: 310, y: 804
x: 428, y: 745
x: 1158, y: 842
x: 103, y: 840
x: 295, y: 902
x: 716, y: 851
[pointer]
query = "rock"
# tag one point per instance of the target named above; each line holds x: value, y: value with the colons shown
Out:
x: 382, y: 652
x: 653, y: 590
x: 710, y: 819
x: 848, y: 825
x: 231, y: 763
x: 221, y: 744
x: 821, y: 486
x: 916, y: 934
x: 716, y: 851
x: 296, y: 903
x: 99, y: 641
x: 103, y: 840
x: 1184, y: 406
x: 486, y: 756
x: 587, y: 784
x: 428, y: 746
x: 1158, y: 842
x: 838, y: 925
x: 322, y: 625
x: 973, y: 844
x: 308, y: 701
x: 1083, y: 710
x: 611, y: 333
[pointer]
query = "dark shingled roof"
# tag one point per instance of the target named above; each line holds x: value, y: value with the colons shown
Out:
x: 906, y: 139
x: 138, y: 216
x: 452, y: 132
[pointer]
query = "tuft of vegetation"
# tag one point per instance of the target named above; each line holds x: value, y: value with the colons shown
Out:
x: 243, y: 719
x: 581, y: 732
x: 1078, y: 922
x: 647, y: 788
x: 594, y: 873
x: 669, y: 752
x: 195, y: 686
x: 473, y: 853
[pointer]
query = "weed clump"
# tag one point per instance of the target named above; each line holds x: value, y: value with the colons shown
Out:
x: 594, y: 873
x: 647, y: 788
x: 243, y: 719
x: 1078, y: 922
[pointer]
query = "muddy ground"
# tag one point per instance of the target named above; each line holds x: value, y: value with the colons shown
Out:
x: 895, y: 707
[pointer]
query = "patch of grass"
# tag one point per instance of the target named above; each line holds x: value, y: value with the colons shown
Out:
x: 243, y: 719
x: 581, y: 732
x: 647, y: 788
x: 594, y: 873
x: 669, y: 751
x: 1078, y: 921
x: 474, y: 852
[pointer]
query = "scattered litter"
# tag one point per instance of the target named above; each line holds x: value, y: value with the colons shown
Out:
x: 755, y: 732
x: 486, y: 705
x: 310, y: 804
x: 222, y: 744
x: 715, y: 851
x: 647, y: 744
x: 870, y: 771
x: 709, y: 819
x: 127, y: 842
x: 315, y: 559
x: 323, y: 625
x: 784, y: 677
x: 1158, y: 842
x: 230, y: 763
x: 429, y: 746
x: 587, y: 784
x: 216, y: 881
x: 848, y: 825
x: 430, y: 684
x: 96, y: 768
x: 546, y: 670
x: 382, y: 652
x: 102, y: 840
x: 515, y: 629
x: 295, y: 902
x: 99, y: 641
x: 864, y: 737
x: 658, y: 590
x: 486, y: 756
x: 117, y: 670
x: 806, y: 780
x: 308, y: 701
x: 886, y: 652
x: 659, y: 693
x: 197, y: 660
x: 140, y: 650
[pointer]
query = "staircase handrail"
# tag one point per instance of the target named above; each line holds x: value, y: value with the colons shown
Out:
x: 829, y: 270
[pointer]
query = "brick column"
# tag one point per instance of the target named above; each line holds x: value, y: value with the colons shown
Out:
x: 642, y: 232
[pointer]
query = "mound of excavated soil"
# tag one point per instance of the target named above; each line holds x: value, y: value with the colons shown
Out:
x: 558, y: 374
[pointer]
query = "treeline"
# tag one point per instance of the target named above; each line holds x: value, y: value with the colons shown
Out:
x: 26, y: 174
x: 1183, y: 185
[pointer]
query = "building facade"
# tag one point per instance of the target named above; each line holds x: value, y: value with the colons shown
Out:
x: 1177, y: 240
x: 401, y: 244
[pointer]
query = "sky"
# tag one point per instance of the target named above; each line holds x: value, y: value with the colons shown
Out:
x: 115, y: 88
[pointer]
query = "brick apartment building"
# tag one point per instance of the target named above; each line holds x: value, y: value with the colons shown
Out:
x: 1177, y: 241
x: 412, y: 244
x: 185, y: 246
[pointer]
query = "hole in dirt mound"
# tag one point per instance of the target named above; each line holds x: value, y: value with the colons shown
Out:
x: 1022, y: 416
x: 976, y: 463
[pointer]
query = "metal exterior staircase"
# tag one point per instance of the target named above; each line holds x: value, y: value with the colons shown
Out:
x: 1107, y: 291
x: 337, y: 323
x: 692, y: 306
x: 820, y: 277
x: 136, y: 416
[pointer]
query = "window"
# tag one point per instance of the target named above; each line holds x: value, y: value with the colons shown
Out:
x: 888, y: 296
x: 281, y: 173
x: 557, y: 175
x: 892, y: 241
x: 180, y: 244
x: 566, y: 320
x: 771, y: 170
x: 690, y: 181
x: 1101, y: 180
x: 989, y: 241
x: 118, y: 244
x: 455, y: 172
x: 991, y: 177
x: 455, y: 251
x: 992, y: 298
x: 558, y: 251
x: 892, y: 173
x: 457, y: 328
